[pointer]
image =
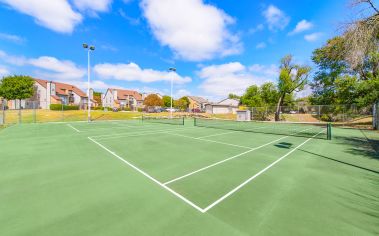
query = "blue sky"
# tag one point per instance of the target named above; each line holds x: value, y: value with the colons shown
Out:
x: 218, y: 47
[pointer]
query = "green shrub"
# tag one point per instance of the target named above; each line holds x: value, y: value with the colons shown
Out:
x: 59, y: 107
x: 139, y: 109
x: 327, y: 118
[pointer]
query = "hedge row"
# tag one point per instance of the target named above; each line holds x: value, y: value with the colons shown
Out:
x: 59, y: 107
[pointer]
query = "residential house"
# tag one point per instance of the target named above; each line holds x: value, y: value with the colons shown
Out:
x: 197, y: 103
x: 50, y: 92
x: 226, y: 106
x: 121, y: 99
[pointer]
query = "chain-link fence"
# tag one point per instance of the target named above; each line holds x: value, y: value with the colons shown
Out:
x: 14, y: 112
x: 339, y: 114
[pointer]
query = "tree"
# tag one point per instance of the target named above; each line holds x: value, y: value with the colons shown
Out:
x: 182, y: 103
x: 264, y: 96
x: 153, y: 100
x: 269, y: 93
x: 97, y: 98
x: 362, y: 35
x: 252, y: 97
x: 331, y: 63
x: 166, y: 101
x: 17, y: 87
x: 233, y: 96
x: 292, y: 78
x: 338, y: 82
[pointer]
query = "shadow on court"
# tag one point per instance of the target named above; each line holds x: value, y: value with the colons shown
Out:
x: 339, y: 161
x: 284, y: 145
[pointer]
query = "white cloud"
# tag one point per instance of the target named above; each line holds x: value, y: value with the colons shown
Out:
x: 192, y: 29
x: 258, y: 28
x: 51, y: 66
x: 93, y: 5
x: 4, y: 72
x: 269, y: 72
x: 301, y: 26
x: 132, y: 72
x: 12, y: 38
x: 261, y: 45
x: 109, y: 47
x: 11, y: 59
x: 307, y: 91
x: 313, y: 37
x: 181, y: 93
x: 61, y: 69
x: 131, y: 20
x: 97, y: 85
x: 275, y: 18
x: 220, y: 80
x: 56, y: 15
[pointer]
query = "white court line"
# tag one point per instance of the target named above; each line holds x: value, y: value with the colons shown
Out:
x: 135, y: 135
x: 211, y: 141
x: 142, y: 130
x: 150, y: 177
x: 69, y: 125
x: 234, y: 131
x: 257, y: 174
x: 225, y: 160
x: 115, y: 127
x: 120, y: 135
x: 212, y: 135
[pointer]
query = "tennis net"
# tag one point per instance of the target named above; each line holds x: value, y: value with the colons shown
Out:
x: 164, y: 120
x: 301, y: 129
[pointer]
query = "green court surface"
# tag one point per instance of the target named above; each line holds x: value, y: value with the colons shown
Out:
x: 149, y: 178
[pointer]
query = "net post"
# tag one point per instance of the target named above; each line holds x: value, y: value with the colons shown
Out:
x: 142, y: 118
x: 194, y: 121
x: 183, y: 120
x: 329, y: 131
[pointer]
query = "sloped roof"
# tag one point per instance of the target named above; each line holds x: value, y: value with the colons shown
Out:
x: 123, y: 94
x: 56, y: 97
x: 198, y: 99
x: 61, y: 87
x: 229, y: 102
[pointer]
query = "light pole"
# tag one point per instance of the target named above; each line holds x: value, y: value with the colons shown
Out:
x: 173, y: 70
x: 89, y: 49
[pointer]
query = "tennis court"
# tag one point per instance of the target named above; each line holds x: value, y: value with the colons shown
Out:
x: 188, y: 177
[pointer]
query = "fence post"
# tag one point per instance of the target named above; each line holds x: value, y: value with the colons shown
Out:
x: 5, y: 104
x: 34, y: 112
x: 2, y: 121
x: 62, y: 110
x: 375, y: 116
x: 19, y: 112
